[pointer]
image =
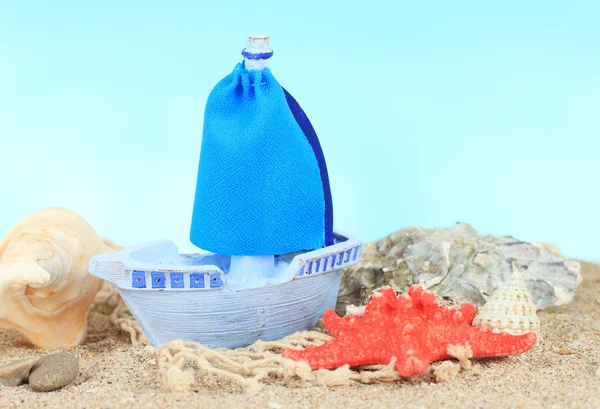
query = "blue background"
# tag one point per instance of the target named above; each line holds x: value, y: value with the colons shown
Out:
x: 428, y: 113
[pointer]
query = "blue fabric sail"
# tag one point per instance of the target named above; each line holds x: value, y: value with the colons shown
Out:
x: 311, y: 135
x: 260, y: 187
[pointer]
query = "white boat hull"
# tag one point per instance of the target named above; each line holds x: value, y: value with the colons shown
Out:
x: 234, y: 319
x: 177, y: 297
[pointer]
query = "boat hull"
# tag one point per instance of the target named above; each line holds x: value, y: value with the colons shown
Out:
x: 234, y: 319
x: 210, y: 299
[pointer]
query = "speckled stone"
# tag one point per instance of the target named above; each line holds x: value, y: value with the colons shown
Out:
x: 54, y: 372
x: 16, y: 373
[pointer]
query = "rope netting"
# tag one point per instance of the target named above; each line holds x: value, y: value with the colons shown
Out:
x: 109, y: 302
x: 180, y: 363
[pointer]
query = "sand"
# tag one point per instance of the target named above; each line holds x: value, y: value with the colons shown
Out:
x: 561, y: 373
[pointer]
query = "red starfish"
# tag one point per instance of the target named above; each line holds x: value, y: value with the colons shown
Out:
x: 411, y: 328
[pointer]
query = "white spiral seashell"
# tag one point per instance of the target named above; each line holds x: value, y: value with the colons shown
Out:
x: 45, y: 288
x: 510, y: 309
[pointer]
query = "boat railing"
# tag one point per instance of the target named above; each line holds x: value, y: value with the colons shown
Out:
x: 129, y: 272
x: 346, y: 251
x: 127, y: 269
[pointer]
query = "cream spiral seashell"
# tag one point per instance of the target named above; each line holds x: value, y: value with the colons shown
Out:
x: 45, y: 288
x: 510, y: 309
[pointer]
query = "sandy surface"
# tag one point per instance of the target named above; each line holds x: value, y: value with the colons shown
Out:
x: 559, y: 374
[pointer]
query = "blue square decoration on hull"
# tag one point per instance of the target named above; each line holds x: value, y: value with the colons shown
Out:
x: 158, y: 280
x: 138, y: 279
x: 215, y: 281
x: 196, y: 280
x: 177, y: 280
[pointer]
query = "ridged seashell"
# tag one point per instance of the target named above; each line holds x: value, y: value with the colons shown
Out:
x: 460, y: 263
x: 510, y: 309
x: 45, y: 288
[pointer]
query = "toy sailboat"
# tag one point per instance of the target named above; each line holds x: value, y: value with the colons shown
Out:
x: 271, y: 262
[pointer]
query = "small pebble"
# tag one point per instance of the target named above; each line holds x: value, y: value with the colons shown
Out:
x: 564, y: 351
x: 16, y: 373
x: 54, y: 372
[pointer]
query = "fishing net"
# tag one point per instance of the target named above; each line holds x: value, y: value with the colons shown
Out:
x: 109, y: 302
x: 181, y: 364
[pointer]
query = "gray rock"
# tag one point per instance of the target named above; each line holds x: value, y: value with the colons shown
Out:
x: 54, y: 372
x: 458, y: 262
x: 16, y: 373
